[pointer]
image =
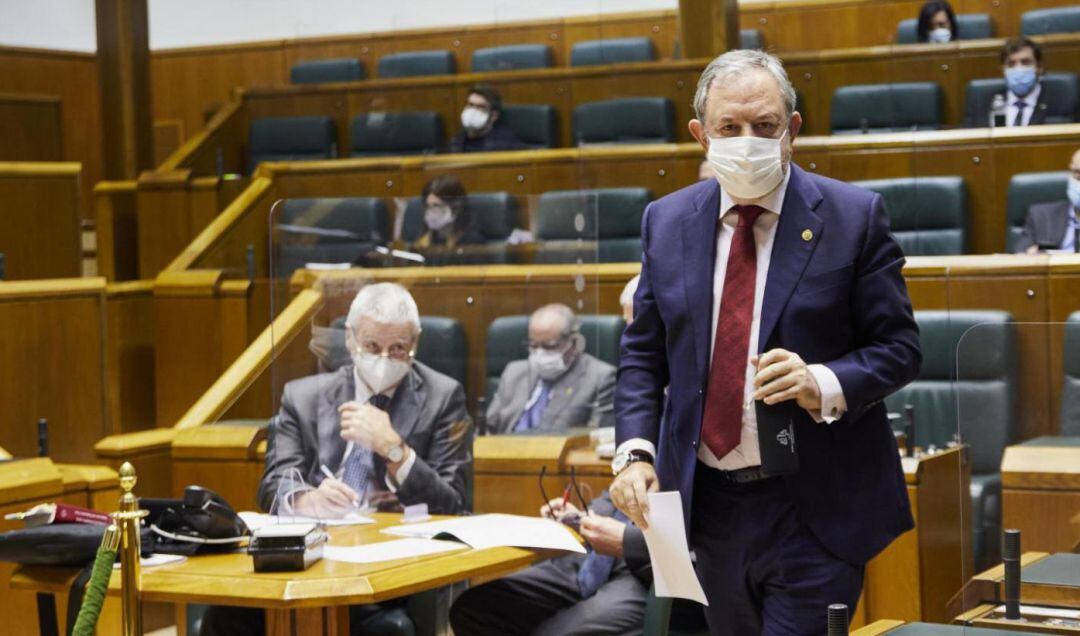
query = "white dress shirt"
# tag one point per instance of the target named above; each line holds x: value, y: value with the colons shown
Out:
x: 1030, y: 101
x: 363, y: 394
x: 747, y: 453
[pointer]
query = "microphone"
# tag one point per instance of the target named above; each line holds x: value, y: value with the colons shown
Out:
x: 43, y: 437
x: 1010, y: 556
x: 909, y: 430
x: 838, y: 620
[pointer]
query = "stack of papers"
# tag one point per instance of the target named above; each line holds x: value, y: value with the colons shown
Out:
x: 256, y: 520
x: 389, y: 550
x: 496, y: 530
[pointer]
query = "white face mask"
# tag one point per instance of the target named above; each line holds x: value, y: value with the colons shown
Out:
x: 438, y: 217
x: 380, y: 373
x: 549, y: 365
x: 474, y: 119
x: 939, y: 36
x: 747, y: 167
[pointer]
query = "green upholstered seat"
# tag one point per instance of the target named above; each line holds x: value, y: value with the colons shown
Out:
x: 327, y: 230
x: 970, y: 26
x: 416, y: 63
x: 291, y: 139
x: 512, y: 57
x: 927, y: 215
x: 602, y: 225
x: 536, y: 125
x: 404, y: 133
x: 967, y: 386
x: 346, y: 69
x: 612, y: 51
x: 1053, y: 20
x: 626, y: 120
x: 1025, y: 190
x: 875, y: 108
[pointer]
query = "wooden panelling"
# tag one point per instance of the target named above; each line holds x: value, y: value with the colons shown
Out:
x: 31, y: 127
x: 73, y: 78
x: 117, y: 230
x: 41, y: 219
x: 168, y: 136
x: 55, y: 367
x: 130, y: 355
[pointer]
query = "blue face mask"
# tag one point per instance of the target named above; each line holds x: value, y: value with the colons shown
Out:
x: 1020, y: 79
x: 1073, y: 192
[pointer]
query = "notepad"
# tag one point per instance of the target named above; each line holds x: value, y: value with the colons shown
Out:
x: 390, y: 550
x: 496, y: 530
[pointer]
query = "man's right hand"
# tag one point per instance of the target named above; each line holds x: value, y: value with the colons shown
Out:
x: 556, y: 509
x: 332, y: 498
x: 630, y: 491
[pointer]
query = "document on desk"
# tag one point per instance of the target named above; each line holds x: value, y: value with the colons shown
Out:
x: 496, y: 530
x: 389, y: 550
x: 673, y: 572
x: 256, y: 520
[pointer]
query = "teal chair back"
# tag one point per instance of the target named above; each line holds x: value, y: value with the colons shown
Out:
x: 612, y: 51
x: 602, y: 225
x: 536, y: 125
x: 514, y: 57
x: 1047, y: 21
x: 345, y: 69
x: 626, y: 120
x: 402, y: 133
x: 291, y: 139
x: 417, y: 63
x: 1025, y: 190
x: 875, y: 108
x: 927, y: 215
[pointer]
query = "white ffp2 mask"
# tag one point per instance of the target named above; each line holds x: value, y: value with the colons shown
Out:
x: 939, y: 36
x: 473, y: 118
x: 747, y: 167
x: 378, y: 372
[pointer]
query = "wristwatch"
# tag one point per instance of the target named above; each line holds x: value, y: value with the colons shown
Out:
x: 395, y: 454
x: 625, y: 458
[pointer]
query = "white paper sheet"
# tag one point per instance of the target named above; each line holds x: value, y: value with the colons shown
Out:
x: 494, y: 530
x: 256, y: 520
x: 389, y: 550
x: 673, y: 572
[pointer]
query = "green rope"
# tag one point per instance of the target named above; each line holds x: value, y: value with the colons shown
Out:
x: 95, y: 592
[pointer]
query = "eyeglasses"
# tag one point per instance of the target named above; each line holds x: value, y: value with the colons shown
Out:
x: 399, y: 352
x: 551, y: 345
x: 566, y: 493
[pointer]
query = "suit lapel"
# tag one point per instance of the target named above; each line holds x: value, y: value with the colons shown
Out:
x: 1057, y: 226
x: 562, y: 391
x: 699, y: 261
x: 790, y: 252
x: 340, y: 390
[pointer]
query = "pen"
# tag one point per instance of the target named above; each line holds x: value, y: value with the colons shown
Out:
x: 326, y: 471
x: 566, y: 496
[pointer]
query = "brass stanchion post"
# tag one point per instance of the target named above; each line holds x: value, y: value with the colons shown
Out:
x: 129, y: 518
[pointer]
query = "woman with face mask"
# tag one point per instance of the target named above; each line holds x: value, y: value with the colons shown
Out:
x: 446, y: 215
x: 937, y: 23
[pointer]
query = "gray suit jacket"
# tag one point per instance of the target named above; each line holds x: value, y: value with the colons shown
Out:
x: 1045, y: 225
x: 584, y: 395
x: 428, y: 411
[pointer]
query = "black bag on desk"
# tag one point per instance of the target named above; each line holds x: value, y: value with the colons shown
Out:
x: 201, y: 522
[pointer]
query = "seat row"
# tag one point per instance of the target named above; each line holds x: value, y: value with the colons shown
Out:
x: 928, y: 216
x: 513, y: 57
x: 864, y: 108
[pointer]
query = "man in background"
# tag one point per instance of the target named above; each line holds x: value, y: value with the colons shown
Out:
x: 1023, y: 99
x: 481, y: 129
x: 1054, y: 225
x: 559, y: 386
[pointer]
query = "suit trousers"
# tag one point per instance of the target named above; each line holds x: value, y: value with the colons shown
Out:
x: 763, y: 570
x: 545, y: 600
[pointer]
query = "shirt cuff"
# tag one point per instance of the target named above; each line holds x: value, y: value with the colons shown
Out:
x: 833, y: 404
x: 638, y: 444
x: 402, y: 472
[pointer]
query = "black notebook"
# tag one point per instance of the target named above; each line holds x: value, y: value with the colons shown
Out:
x: 776, y: 437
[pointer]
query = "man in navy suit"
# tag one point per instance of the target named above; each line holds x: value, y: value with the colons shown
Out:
x: 767, y: 295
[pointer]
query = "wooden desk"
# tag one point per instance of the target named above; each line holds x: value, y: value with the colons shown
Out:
x: 903, y: 628
x: 307, y: 602
x: 1040, y: 483
x: 1057, y: 587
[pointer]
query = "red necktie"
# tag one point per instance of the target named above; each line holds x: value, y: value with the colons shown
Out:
x: 721, y: 425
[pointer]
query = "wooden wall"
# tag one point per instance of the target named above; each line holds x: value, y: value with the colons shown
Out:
x: 78, y: 353
x: 40, y: 215
x: 31, y: 128
x: 73, y: 79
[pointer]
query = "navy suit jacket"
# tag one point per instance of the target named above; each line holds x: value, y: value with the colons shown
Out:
x: 837, y: 299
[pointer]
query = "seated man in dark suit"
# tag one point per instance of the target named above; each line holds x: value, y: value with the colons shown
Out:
x: 1023, y: 101
x: 390, y: 430
x: 481, y: 130
x: 559, y: 386
x: 603, y: 592
x: 1054, y: 225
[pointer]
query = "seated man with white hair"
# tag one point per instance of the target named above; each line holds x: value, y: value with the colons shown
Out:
x: 389, y: 430
x: 559, y: 386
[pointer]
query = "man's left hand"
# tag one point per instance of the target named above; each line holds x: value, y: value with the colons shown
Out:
x: 603, y: 533
x: 369, y: 427
x: 782, y: 375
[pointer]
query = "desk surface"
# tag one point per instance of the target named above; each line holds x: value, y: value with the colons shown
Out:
x: 230, y: 579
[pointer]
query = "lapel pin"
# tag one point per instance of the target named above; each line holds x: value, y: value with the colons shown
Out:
x: 807, y: 235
